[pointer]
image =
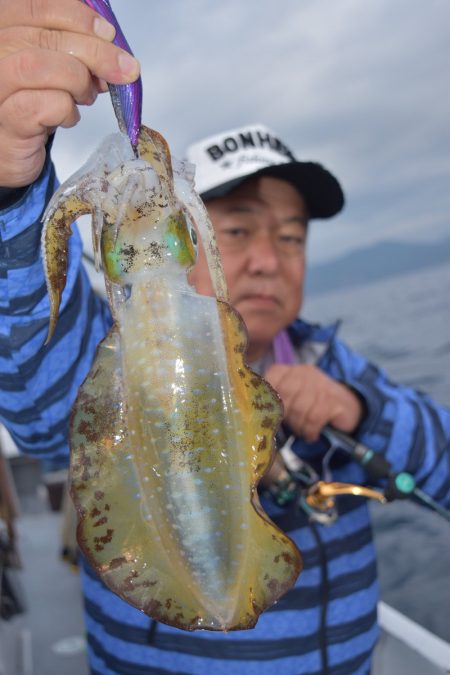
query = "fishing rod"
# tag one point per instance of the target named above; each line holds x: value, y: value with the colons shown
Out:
x: 400, y: 485
x: 315, y: 494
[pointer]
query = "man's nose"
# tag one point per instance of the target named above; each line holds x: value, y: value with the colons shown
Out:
x: 264, y: 256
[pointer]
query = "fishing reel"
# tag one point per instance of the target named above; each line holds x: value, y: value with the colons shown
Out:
x: 296, y: 483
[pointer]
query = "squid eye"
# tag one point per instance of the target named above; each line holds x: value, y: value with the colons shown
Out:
x: 193, y: 234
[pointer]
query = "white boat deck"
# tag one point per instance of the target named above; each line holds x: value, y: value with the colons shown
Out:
x: 48, y: 639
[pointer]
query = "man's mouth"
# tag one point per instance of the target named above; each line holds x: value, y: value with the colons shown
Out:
x: 260, y: 299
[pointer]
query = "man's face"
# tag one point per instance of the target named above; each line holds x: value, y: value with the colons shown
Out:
x: 261, y: 232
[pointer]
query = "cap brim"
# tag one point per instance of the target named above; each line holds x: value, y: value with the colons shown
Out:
x: 320, y: 189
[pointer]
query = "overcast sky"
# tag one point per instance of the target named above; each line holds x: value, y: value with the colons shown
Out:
x: 359, y: 86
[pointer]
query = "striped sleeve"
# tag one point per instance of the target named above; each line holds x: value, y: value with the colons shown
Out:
x: 407, y: 426
x: 38, y: 383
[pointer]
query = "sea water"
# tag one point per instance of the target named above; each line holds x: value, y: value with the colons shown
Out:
x: 403, y: 325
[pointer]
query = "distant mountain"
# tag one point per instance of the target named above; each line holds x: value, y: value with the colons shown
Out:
x: 386, y: 259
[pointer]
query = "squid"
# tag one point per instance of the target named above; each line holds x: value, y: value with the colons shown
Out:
x: 171, y: 431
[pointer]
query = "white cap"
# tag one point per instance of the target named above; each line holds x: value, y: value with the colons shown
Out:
x: 225, y: 160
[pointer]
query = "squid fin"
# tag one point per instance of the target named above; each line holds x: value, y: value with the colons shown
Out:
x: 279, y: 560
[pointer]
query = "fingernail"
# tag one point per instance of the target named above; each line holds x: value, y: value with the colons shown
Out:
x: 104, y: 29
x: 128, y: 64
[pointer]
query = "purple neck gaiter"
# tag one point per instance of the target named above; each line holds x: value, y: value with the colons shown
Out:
x: 283, y: 350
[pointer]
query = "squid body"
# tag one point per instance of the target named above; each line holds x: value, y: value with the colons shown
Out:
x: 171, y: 431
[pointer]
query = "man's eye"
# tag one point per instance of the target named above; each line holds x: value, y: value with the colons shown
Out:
x: 294, y: 241
x: 235, y: 232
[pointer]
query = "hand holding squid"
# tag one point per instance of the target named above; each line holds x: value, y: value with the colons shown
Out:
x: 52, y: 59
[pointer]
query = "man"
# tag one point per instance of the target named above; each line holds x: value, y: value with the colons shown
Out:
x: 260, y: 207
x: 260, y: 201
